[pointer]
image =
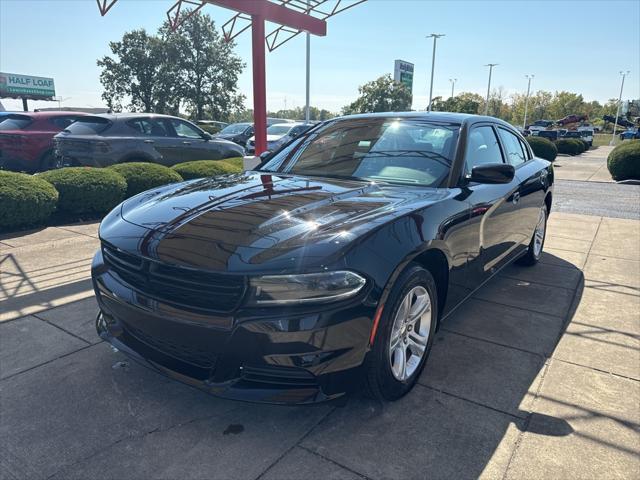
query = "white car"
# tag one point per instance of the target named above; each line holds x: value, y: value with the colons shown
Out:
x: 278, y: 135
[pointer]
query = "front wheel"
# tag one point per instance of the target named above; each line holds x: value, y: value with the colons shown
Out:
x: 534, y: 252
x: 404, y: 337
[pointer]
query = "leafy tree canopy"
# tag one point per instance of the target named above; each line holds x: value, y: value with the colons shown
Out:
x: 381, y: 95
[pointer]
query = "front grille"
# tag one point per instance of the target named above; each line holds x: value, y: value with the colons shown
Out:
x: 186, y: 353
x: 178, y: 286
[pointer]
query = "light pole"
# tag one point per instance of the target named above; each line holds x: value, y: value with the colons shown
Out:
x: 308, y: 82
x: 526, y: 101
x: 486, y: 106
x: 435, y: 37
x: 615, y: 125
x: 453, y: 84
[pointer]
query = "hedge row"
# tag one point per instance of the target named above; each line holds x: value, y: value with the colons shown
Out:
x: 571, y: 146
x: 30, y: 200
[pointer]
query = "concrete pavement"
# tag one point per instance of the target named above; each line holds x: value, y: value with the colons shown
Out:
x: 536, y: 376
x: 591, y: 166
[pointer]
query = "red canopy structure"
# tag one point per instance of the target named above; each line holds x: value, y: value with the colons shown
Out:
x: 292, y: 16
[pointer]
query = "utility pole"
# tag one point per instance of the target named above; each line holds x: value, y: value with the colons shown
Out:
x: 526, y: 101
x: 435, y: 37
x: 486, y: 106
x: 615, y: 125
x: 308, y: 85
x: 453, y: 84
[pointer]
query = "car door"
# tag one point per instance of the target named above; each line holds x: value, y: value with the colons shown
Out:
x: 150, y: 142
x: 532, y: 183
x: 190, y: 142
x: 494, y: 207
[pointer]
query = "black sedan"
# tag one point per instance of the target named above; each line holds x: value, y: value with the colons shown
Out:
x: 329, y: 267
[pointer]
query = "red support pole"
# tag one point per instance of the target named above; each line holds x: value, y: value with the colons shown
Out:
x: 259, y: 83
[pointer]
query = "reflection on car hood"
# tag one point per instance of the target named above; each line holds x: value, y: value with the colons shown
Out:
x: 254, y: 217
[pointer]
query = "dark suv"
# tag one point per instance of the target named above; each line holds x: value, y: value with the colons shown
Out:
x: 103, y: 140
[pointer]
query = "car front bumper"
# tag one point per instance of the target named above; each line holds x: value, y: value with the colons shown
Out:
x: 288, y: 357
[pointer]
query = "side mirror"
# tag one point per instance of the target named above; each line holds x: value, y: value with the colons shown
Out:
x: 493, y: 173
x: 265, y: 155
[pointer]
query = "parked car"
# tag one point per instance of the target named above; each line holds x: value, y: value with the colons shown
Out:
x: 103, y: 140
x: 237, y: 133
x: 549, y: 134
x: 26, y: 139
x: 278, y: 135
x: 335, y: 261
x: 630, y: 134
x: 587, y: 136
x: 539, y: 125
x: 572, y: 119
x: 211, y: 126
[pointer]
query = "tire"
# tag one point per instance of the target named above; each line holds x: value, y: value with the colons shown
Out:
x: 382, y: 365
x: 534, y: 251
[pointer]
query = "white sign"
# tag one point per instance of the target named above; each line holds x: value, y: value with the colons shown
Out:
x: 403, y: 73
x: 15, y: 86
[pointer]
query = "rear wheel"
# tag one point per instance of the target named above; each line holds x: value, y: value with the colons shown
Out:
x: 404, y: 337
x: 534, y: 252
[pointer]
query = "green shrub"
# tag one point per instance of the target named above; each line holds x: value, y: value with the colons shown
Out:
x: 141, y: 176
x: 569, y: 146
x: 25, y: 200
x: 543, y: 148
x: 86, y: 190
x: 206, y: 168
x: 624, y: 161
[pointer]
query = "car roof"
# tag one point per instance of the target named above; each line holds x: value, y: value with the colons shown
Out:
x: 129, y: 116
x: 48, y: 114
x: 443, y: 117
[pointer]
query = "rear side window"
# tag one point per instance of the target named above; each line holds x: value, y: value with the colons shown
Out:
x: 15, y: 122
x: 482, y: 148
x: 512, y: 147
x: 88, y: 126
x: 148, y: 127
x: 527, y: 155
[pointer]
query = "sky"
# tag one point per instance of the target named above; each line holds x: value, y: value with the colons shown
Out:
x: 579, y: 46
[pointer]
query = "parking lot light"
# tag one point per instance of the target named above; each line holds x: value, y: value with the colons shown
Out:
x: 486, y: 106
x: 435, y: 37
x: 615, y: 125
x: 526, y: 101
x: 453, y: 84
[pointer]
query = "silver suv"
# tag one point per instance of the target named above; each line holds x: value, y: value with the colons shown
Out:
x: 103, y: 140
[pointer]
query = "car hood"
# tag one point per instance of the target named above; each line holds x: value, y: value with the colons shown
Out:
x: 241, y: 220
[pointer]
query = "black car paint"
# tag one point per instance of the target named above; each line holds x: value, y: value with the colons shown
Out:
x: 237, y: 225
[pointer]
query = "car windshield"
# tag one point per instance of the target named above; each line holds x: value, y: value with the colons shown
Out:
x: 88, y: 126
x: 235, y: 128
x: 406, y: 151
x: 279, y: 129
x: 15, y: 122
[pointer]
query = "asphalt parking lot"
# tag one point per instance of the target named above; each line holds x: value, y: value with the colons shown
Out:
x: 536, y: 376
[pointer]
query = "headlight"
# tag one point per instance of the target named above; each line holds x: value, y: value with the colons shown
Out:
x: 305, y: 288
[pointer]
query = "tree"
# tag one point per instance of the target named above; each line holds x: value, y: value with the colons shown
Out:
x: 380, y: 95
x: 465, y: 102
x: 139, y: 72
x: 192, y: 67
x: 209, y: 68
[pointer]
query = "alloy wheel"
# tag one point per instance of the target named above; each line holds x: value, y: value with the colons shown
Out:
x: 410, y: 333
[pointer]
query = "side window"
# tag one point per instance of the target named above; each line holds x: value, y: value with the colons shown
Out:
x: 482, y: 148
x: 512, y: 147
x: 527, y: 155
x: 184, y: 130
x: 142, y: 126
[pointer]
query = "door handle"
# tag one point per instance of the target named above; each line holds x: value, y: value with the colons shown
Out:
x: 516, y: 197
x: 186, y: 143
x: 149, y: 141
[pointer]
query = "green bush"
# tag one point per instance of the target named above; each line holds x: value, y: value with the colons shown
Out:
x: 25, y: 200
x: 543, y: 148
x: 141, y: 176
x: 569, y: 146
x: 86, y: 190
x: 624, y: 161
x: 207, y: 168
